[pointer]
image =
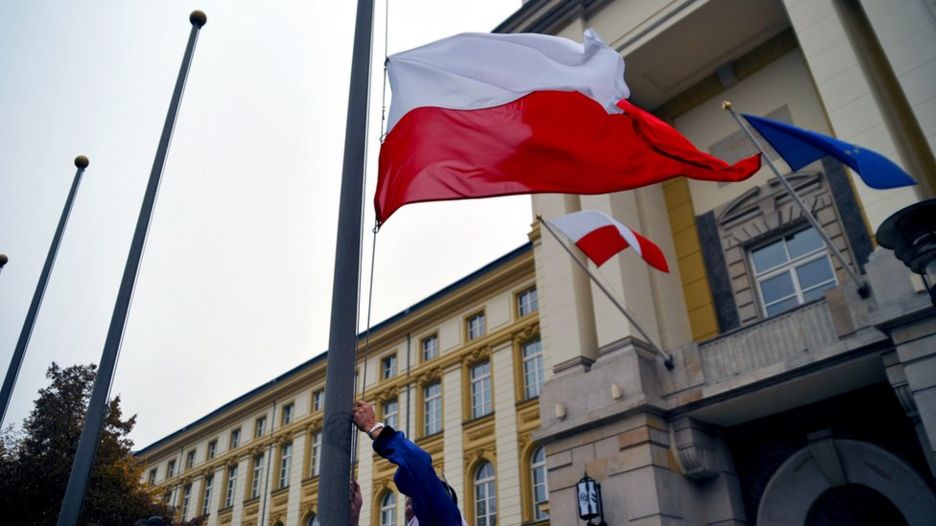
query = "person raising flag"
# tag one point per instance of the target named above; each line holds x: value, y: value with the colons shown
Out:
x: 429, y: 500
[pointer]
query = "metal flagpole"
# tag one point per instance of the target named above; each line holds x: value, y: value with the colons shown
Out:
x: 667, y: 358
x: 81, y: 162
x: 97, y: 407
x: 334, y: 490
x: 863, y: 290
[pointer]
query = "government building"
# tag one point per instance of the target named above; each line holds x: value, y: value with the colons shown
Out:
x: 795, y: 396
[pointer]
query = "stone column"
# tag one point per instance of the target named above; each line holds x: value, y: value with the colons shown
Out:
x: 565, y: 297
x: 452, y: 428
x: 293, y: 509
x: 851, y: 105
x: 509, y: 502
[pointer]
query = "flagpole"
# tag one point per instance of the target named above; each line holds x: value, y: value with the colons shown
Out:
x: 81, y: 162
x: 667, y: 358
x: 334, y: 489
x: 863, y: 290
x: 97, y: 407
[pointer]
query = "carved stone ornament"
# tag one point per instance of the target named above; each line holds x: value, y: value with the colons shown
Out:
x: 479, y: 354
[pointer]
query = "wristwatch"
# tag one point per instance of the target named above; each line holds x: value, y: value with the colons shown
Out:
x: 375, y: 427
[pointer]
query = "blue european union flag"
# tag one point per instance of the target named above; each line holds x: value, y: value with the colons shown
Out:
x: 799, y: 147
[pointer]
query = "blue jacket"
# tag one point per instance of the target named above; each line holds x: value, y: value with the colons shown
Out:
x: 416, y: 478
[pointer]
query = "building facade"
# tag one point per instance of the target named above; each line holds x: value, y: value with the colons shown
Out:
x: 793, y: 399
x: 459, y: 372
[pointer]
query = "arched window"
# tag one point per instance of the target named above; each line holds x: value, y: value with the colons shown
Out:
x: 540, y: 489
x: 485, y: 496
x: 313, y: 521
x: 388, y: 509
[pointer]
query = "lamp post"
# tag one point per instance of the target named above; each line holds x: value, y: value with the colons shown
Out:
x: 590, y: 508
x: 3, y: 261
x: 911, y: 234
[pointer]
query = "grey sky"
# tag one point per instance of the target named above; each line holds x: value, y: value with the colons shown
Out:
x: 235, y: 283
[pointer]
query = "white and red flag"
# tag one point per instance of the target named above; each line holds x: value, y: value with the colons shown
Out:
x: 600, y: 236
x: 479, y: 115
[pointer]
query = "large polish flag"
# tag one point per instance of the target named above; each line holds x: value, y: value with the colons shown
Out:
x: 600, y: 236
x: 479, y: 115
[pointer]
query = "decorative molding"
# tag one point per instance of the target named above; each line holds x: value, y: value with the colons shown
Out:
x: 697, y: 448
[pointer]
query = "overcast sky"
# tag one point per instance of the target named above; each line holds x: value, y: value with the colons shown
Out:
x: 235, y: 285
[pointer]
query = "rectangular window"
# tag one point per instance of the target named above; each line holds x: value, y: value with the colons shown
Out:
x: 388, y: 367
x: 481, y: 389
x: 430, y: 347
x: 259, y: 426
x: 432, y: 398
x: 532, y: 368
x: 231, y: 486
x: 792, y: 270
x: 235, y: 439
x: 287, y: 414
x: 190, y: 459
x: 318, y: 399
x: 256, y: 477
x: 212, y: 449
x: 186, y: 499
x: 285, y: 463
x: 152, y: 476
x: 391, y: 410
x: 316, y: 453
x: 170, y: 469
x: 206, y: 497
x: 527, y: 302
x: 476, y: 326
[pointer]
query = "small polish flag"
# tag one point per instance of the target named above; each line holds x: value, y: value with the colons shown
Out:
x: 600, y: 236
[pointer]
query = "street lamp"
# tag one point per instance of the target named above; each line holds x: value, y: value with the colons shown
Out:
x: 3, y: 261
x: 911, y: 234
x: 589, y: 501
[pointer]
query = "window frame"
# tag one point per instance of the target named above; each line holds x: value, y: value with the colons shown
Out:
x: 490, y: 484
x: 534, y: 303
x: 386, y: 373
x: 285, y: 465
x: 788, y: 267
x: 389, y: 509
x: 207, y: 487
x: 538, y: 358
x: 212, y: 449
x: 532, y: 466
x: 482, y: 330
x: 186, y: 500
x: 426, y: 400
x: 234, y: 439
x: 259, y: 426
x: 256, y: 475
x: 385, y: 416
x: 230, y: 486
x: 190, y: 459
x: 318, y: 400
x: 170, y: 469
x: 434, y: 337
x: 287, y: 413
x: 485, y: 381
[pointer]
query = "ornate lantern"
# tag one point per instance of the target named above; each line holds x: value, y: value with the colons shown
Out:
x: 911, y: 234
x: 589, y: 500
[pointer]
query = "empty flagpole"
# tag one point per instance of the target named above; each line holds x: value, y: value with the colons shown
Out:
x: 81, y: 162
x: 97, y: 406
x: 667, y: 358
x: 862, y: 285
x: 334, y: 489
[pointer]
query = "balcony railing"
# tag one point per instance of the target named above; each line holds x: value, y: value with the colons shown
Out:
x: 774, y: 340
